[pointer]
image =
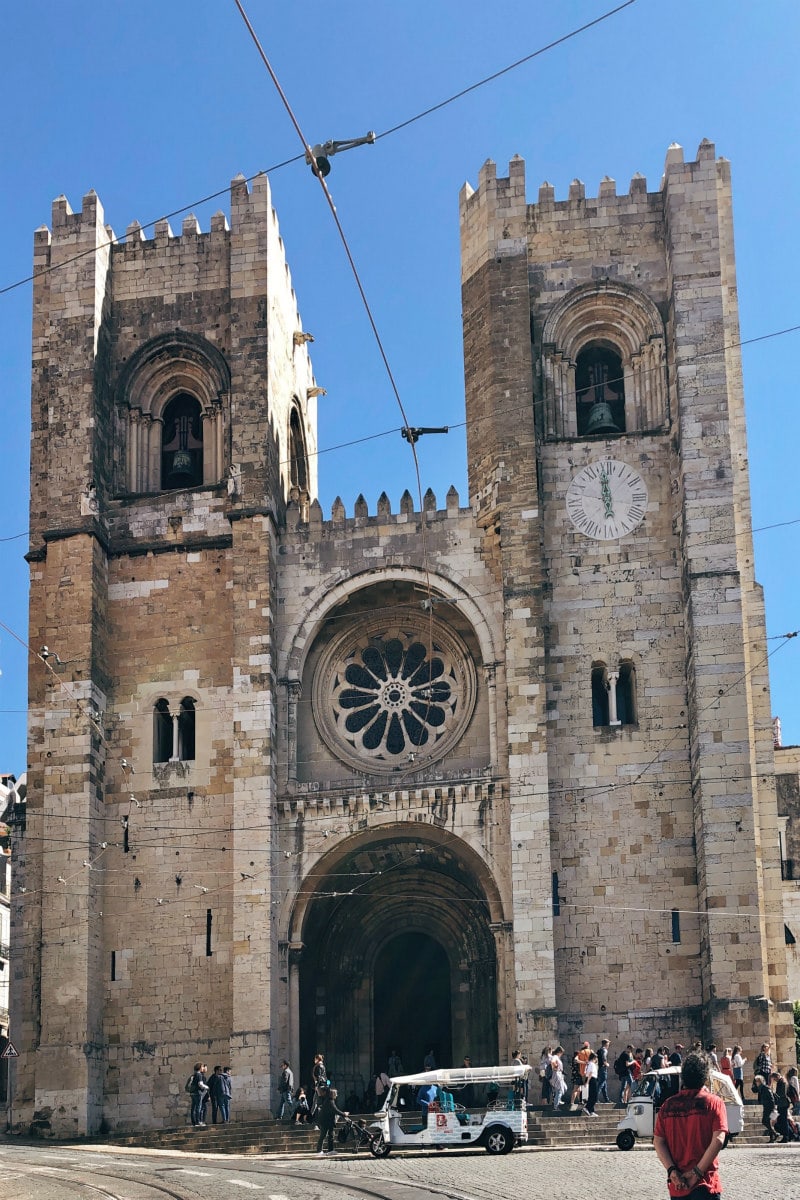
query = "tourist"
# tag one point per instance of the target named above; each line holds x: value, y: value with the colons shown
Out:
x: 738, y: 1060
x: 602, y: 1072
x: 590, y: 1076
x: 689, y: 1133
x: 285, y: 1089
x: 326, y: 1116
x: 198, y: 1088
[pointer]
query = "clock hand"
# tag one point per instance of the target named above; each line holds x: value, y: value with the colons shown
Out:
x: 605, y: 492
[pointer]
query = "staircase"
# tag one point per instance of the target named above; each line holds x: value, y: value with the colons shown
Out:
x: 546, y: 1131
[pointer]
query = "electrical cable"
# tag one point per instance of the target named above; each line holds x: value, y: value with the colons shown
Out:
x: 510, y: 408
x: 301, y: 157
x: 505, y: 70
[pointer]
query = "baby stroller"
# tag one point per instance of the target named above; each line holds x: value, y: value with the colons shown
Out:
x: 361, y: 1137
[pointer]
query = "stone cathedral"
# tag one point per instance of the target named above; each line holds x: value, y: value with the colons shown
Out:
x: 488, y: 774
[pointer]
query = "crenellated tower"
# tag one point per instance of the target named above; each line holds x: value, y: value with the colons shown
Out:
x: 173, y: 419
x: 601, y: 340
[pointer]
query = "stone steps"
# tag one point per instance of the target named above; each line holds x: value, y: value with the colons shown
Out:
x: 546, y: 1130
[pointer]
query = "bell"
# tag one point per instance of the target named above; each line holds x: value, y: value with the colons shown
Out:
x: 601, y: 420
x: 181, y: 465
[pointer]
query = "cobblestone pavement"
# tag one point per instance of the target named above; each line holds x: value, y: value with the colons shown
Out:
x: 747, y: 1174
x: 27, y: 1173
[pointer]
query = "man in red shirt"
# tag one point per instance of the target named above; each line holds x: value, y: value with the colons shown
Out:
x: 689, y: 1134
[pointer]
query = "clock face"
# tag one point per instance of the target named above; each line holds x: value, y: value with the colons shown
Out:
x: 606, y: 500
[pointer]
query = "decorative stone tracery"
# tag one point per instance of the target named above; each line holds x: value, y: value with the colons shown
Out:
x: 389, y: 694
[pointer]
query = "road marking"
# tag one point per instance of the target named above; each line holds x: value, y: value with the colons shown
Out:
x: 188, y: 1171
x: 255, y: 1187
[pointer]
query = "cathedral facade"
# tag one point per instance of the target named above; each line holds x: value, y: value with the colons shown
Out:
x: 492, y: 773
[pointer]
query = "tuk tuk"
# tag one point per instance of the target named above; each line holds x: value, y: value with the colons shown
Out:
x: 650, y: 1092
x: 424, y: 1111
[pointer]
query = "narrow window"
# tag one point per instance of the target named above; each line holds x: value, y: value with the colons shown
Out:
x: 676, y: 926
x: 626, y: 694
x: 182, y: 444
x: 125, y: 840
x: 113, y: 966
x: 599, y: 696
x: 298, y: 466
x: 600, y: 392
x: 186, y: 730
x: 556, y: 902
x: 208, y: 933
x: 162, y: 732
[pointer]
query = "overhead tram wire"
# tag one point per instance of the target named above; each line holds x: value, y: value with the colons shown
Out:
x: 473, y: 87
x: 513, y: 407
x: 367, y: 308
x: 286, y: 162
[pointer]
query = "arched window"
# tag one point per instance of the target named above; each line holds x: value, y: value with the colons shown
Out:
x: 613, y: 695
x: 186, y: 730
x: 162, y: 732
x: 182, y: 444
x: 174, y: 733
x: 599, y: 391
x: 626, y: 694
x: 599, y: 696
x: 298, y: 464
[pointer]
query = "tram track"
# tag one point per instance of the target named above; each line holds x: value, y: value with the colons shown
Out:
x: 138, y: 1183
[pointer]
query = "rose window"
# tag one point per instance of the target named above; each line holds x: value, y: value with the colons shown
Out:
x: 392, y: 696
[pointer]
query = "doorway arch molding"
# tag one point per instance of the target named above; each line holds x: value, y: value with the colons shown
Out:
x: 357, y: 911
x: 327, y: 865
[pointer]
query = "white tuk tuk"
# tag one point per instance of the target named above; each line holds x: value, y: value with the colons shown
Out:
x: 463, y: 1106
x: 650, y: 1092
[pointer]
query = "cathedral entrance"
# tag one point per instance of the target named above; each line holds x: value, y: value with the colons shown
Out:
x: 398, y: 954
x: 411, y: 1002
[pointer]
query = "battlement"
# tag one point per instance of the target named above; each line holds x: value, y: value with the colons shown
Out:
x: 496, y: 219
x: 300, y: 513
x: 252, y: 213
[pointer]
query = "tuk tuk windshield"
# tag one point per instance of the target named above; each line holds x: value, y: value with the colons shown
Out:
x: 483, y: 1087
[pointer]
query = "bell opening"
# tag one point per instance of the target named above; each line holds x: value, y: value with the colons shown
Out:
x: 600, y: 392
x: 182, y: 444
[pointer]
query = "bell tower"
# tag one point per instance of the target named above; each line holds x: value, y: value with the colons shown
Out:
x: 173, y: 420
x: 608, y: 467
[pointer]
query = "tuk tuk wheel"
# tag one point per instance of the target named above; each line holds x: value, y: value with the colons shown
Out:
x: 379, y: 1147
x: 499, y: 1140
x: 626, y: 1139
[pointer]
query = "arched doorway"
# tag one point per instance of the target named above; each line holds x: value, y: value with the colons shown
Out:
x: 412, y: 1010
x: 398, y: 953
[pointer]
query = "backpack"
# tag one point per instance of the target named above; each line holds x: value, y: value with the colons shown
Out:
x: 187, y: 1087
x: 621, y: 1064
x: 548, y: 1072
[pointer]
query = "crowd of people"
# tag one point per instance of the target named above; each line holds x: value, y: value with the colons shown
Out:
x: 215, y: 1089
x: 585, y: 1081
x: 577, y: 1083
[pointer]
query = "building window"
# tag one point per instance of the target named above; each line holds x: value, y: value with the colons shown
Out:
x: 599, y: 696
x: 182, y: 444
x: 613, y: 695
x: 298, y: 464
x: 600, y: 392
x: 788, y: 936
x: 162, y: 732
x: 626, y: 694
x: 186, y: 730
x: 174, y: 733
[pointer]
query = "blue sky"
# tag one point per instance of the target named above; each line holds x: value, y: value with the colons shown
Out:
x: 159, y: 104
